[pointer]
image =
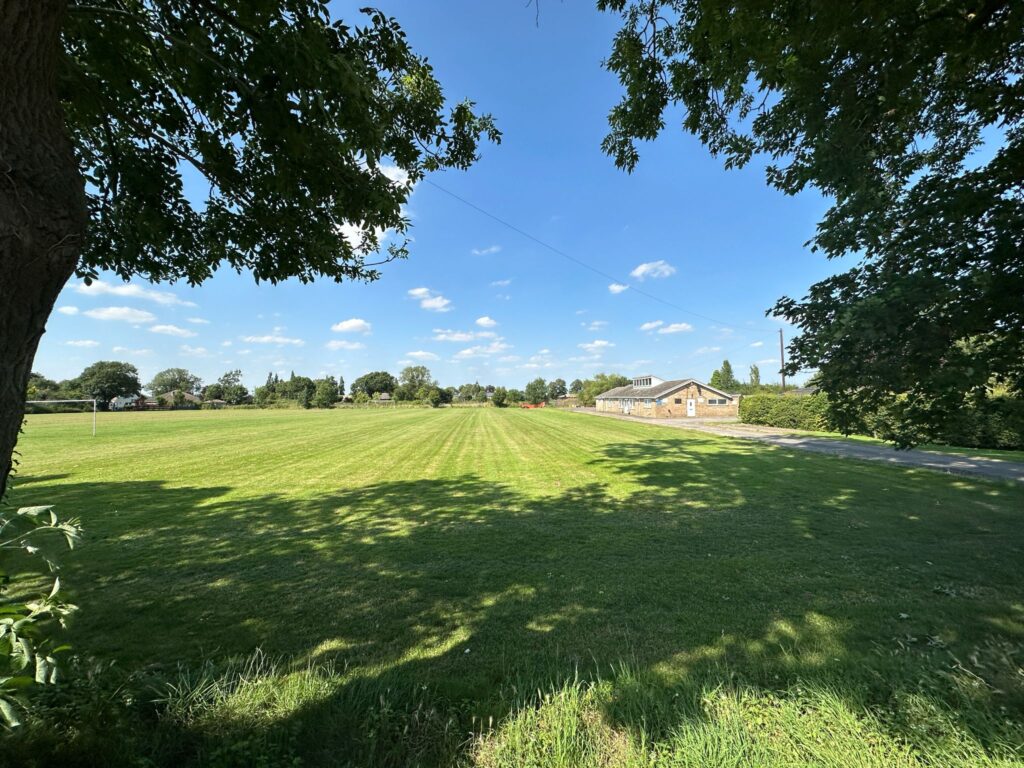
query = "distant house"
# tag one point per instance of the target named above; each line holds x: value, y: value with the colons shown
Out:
x: 656, y: 398
x: 567, y: 401
x: 124, y: 403
x: 215, y: 403
x: 384, y: 397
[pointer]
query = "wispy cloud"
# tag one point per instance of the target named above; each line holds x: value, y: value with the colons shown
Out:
x: 495, y: 347
x: 127, y: 351
x: 500, y: 283
x: 676, y: 328
x: 654, y: 269
x: 274, y: 338
x: 194, y: 351
x: 595, y: 346
x: 336, y: 344
x: 198, y: 320
x: 99, y: 288
x: 447, y: 334
x: 123, y: 314
x: 486, y: 322
x: 431, y: 301
x: 489, y: 250
x: 617, y: 288
x: 421, y: 354
x: 68, y: 310
x: 82, y: 343
x: 707, y: 350
x: 352, y: 325
x: 757, y: 344
x: 172, y: 330
x: 650, y: 326
x: 595, y: 325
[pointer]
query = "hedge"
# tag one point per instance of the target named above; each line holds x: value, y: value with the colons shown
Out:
x: 809, y: 413
x: 997, y: 422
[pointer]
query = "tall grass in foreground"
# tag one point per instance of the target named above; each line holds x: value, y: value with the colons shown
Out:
x: 263, y: 712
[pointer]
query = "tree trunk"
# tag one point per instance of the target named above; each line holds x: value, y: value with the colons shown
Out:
x: 42, y: 200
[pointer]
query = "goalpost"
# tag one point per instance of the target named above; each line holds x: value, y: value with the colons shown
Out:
x: 54, y: 402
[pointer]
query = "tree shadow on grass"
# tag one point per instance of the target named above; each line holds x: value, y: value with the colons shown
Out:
x: 462, y: 597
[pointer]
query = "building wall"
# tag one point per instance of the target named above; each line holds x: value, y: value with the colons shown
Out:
x: 668, y: 408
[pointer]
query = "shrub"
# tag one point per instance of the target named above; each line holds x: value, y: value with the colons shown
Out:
x: 994, y: 422
x: 809, y: 412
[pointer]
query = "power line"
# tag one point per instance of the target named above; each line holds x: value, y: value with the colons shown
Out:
x: 569, y: 257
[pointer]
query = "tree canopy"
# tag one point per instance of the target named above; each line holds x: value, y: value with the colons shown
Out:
x: 308, y: 132
x: 374, y: 382
x: 108, y: 379
x: 909, y: 117
x: 172, y: 379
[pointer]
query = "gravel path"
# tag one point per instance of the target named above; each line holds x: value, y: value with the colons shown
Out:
x: 959, y: 464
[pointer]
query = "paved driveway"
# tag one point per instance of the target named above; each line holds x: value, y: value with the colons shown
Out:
x: 959, y: 464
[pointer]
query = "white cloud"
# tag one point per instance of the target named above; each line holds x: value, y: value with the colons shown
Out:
x: 99, y: 288
x: 343, y: 344
x: 273, y: 338
x: 356, y: 236
x: 597, y: 345
x: 486, y: 322
x: 394, y: 174
x: 225, y: 343
x: 488, y: 251
x: 757, y: 344
x: 659, y: 268
x: 420, y: 354
x: 707, y: 350
x: 433, y: 302
x: 127, y: 351
x: 447, y: 334
x: 595, y: 325
x: 676, y: 328
x: 172, y: 330
x: 198, y: 320
x: 543, y: 351
x: 500, y: 283
x: 495, y: 347
x: 124, y: 314
x: 82, y: 343
x: 68, y: 310
x: 650, y: 326
x: 352, y: 325
x: 509, y: 359
x: 617, y: 287
x: 194, y: 351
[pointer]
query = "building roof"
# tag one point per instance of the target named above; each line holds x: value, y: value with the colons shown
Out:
x: 658, y: 390
x: 169, y: 396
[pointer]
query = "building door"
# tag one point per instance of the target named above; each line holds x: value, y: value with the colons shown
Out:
x: 691, y: 407
x: 627, y: 405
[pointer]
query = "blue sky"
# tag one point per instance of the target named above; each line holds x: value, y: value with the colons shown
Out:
x: 476, y: 300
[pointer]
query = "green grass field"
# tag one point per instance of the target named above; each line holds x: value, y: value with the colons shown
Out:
x: 524, y: 588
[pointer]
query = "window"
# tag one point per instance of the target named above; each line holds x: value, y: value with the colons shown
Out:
x: 647, y: 402
x: 717, y: 401
x: 679, y: 401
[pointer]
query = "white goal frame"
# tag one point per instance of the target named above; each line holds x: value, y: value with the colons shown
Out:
x: 52, y: 402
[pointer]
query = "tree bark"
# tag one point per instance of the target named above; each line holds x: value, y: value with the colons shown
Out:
x: 42, y: 200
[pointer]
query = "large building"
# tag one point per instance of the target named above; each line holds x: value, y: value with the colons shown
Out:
x: 659, y: 399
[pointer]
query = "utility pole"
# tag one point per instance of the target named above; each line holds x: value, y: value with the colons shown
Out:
x: 782, y: 359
